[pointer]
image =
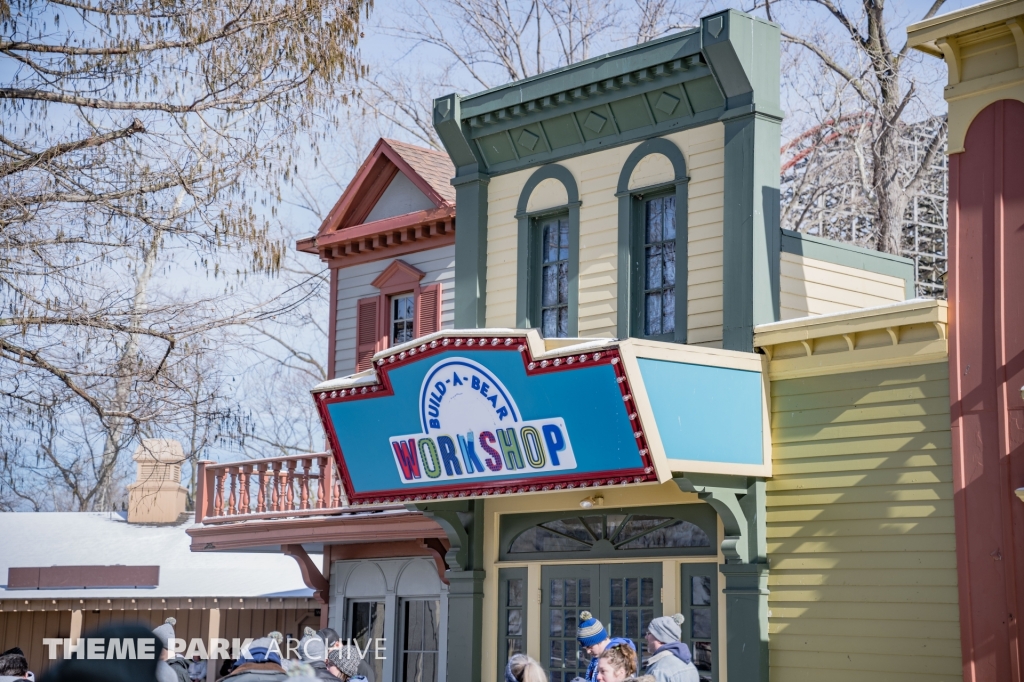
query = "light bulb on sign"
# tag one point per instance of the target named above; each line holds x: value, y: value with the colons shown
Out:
x: 591, y: 502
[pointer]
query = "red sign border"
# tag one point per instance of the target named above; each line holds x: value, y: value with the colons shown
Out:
x: 383, y: 388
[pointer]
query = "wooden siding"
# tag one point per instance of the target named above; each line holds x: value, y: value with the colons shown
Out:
x: 860, y: 528
x: 597, y: 175
x: 355, y: 282
x: 814, y: 287
x: 26, y: 629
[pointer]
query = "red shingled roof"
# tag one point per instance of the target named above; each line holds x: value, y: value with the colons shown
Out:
x: 432, y: 165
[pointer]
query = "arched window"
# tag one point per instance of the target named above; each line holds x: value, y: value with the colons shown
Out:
x: 680, y: 530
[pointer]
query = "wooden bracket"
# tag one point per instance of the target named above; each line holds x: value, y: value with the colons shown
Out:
x: 311, y: 575
x: 437, y: 551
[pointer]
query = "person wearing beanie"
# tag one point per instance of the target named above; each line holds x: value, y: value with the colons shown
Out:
x: 110, y: 669
x: 171, y: 668
x: 313, y: 652
x: 260, y: 661
x: 670, y: 659
x: 594, y: 639
x: 343, y: 663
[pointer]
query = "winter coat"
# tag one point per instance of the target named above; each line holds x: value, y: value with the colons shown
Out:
x: 591, y: 674
x: 667, y: 666
x: 322, y: 673
x: 179, y: 666
x: 257, y: 672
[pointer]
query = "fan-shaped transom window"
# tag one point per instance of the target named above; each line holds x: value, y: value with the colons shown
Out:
x: 638, y: 531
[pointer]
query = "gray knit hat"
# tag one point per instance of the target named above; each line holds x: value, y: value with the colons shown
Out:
x: 667, y: 629
x: 346, y: 659
x: 166, y: 632
x: 311, y: 647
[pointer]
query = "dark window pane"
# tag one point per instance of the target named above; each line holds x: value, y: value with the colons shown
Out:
x: 616, y: 623
x: 616, y: 592
x: 563, y: 323
x: 653, y: 317
x: 563, y: 283
x: 647, y: 592
x: 570, y: 621
x: 614, y: 522
x: 669, y: 217
x: 515, y: 592
x: 550, y: 242
x: 668, y: 310
x: 538, y: 539
x: 678, y: 534
x: 700, y: 590
x: 413, y: 626
x: 556, y: 592
x: 570, y: 592
x: 584, y: 592
x: 432, y: 618
x: 549, y: 323
x: 632, y: 623
x: 653, y: 231
x: 551, y: 285
x: 574, y: 528
x: 702, y: 655
x: 563, y: 239
x: 556, y: 623
x: 700, y: 623
x: 515, y: 622
x: 646, y: 616
x: 632, y: 592
x: 653, y: 265
x: 514, y: 646
x: 556, y: 654
x: 669, y: 271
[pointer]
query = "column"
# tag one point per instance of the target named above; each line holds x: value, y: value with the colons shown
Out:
x: 213, y: 632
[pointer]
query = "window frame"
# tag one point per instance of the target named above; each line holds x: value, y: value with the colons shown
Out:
x: 350, y: 603
x: 414, y: 295
x: 689, y: 571
x: 528, y: 275
x: 402, y: 603
x: 638, y: 265
x: 699, y: 514
x: 504, y: 575
x: 631, y: 222
x: 536, y: 269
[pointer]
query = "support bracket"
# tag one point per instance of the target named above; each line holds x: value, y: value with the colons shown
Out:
x: 311, y: 575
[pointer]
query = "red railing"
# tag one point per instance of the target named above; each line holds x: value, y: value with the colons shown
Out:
x: 277, y: 487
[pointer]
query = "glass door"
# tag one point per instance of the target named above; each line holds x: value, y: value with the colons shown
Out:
x: 419, y: 644
x: 366, y: 624
x: 700, y: 606
x: 624, y: 597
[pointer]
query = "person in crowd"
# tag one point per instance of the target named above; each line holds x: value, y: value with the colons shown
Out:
x: 594, y: 639
x: 197, y: 669
x: 670, y: 659
x: 14, y: 666
x: 522, y: 668
x: 261, y: 662
x: 172, y: 668
x: 343, y: 663
x: 616, y: 663
x: 110, y: 669
x: 313, y: 652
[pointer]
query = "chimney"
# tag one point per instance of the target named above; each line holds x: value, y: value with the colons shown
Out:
x: 157, y: 495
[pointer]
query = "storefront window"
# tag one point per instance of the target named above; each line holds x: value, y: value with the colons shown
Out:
x: 419, y: 646
x: 609, y: 532
x: 365, y: 624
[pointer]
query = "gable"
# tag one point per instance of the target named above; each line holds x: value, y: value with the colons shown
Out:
x: 400, y: 197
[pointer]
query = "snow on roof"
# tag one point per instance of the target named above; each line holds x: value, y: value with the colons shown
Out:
x: 106, y: 538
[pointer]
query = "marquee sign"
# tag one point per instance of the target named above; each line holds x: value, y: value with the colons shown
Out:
x: 474, y: 416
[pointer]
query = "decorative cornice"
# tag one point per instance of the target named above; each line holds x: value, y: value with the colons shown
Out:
x: 384, y: 238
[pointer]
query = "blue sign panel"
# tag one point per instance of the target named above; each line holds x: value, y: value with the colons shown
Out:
x: 461, y: 417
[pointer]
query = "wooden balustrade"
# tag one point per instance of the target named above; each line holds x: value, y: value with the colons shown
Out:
x: 277, y: 487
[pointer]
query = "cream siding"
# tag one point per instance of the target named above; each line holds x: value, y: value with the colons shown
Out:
x: 355, y: 282
x: 863, y: 581
x: 597, y: 176
x: 816, y: 287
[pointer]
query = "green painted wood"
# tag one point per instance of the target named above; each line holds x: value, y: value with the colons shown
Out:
x: 471, y: 251
x: 851, y: 256
x: 528, y: 248
x: 690, y: 600
x: 746, y: 605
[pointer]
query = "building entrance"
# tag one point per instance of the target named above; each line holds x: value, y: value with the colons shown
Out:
x: 625, y: 597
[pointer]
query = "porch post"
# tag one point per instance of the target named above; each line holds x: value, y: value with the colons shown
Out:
x: 461, y: 523
x: 212, y: 664
x: 740, y: 503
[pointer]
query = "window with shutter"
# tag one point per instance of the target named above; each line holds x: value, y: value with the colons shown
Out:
x: 428, y: 309
x: 367, y: 331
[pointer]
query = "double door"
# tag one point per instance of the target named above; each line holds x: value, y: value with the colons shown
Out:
x: 624, y: 597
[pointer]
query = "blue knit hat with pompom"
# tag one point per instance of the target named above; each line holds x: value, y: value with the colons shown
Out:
x: 590, y: 631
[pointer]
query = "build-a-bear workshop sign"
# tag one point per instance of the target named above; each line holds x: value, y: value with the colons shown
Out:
x: 471, y: 416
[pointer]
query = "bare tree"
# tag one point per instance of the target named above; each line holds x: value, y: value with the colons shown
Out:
x: 876, y: 74
x: 140, y: 140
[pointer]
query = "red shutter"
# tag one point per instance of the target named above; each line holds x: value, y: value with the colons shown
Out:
x: 428, y: 310
x: 367, y: 331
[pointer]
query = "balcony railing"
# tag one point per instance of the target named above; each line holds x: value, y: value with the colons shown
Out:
x: 273, y: 488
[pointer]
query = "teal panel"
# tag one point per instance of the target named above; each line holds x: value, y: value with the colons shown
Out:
x: 562, y: 131
x: 529, y: 140
x: 595, y: 123
x: 706, y: 414
x: 704, y: 94
x: 631, y: 113
x: 496, y: 148
x: 668, y: 103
